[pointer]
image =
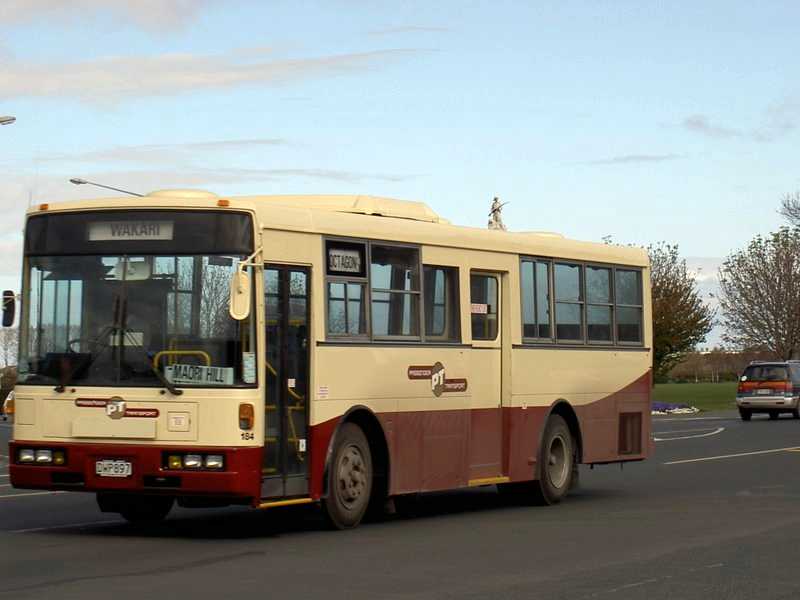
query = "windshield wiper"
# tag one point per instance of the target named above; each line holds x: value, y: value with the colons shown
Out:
x: 154, y: 368
x: 107, y: 330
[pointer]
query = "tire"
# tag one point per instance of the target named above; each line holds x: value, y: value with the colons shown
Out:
x: 137, y: 509
x: 745, y: 414
x: 350, y: 479
x: 773, y: 415
x: 555, y: 464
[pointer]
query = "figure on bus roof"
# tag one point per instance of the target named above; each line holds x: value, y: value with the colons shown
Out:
x: 495, y: 218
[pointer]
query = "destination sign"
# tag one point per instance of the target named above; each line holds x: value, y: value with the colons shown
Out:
x: 344, y: 261
x: 111, y: 231
x: 198, y: 375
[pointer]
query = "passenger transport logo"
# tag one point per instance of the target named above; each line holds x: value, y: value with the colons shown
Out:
x: 116, y: 408
x: 439, y: 383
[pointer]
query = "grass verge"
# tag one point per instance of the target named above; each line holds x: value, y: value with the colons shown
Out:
x: 705, y: 396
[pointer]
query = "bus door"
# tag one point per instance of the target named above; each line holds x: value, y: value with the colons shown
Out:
x: 486, y: 426
x: 285, y: 464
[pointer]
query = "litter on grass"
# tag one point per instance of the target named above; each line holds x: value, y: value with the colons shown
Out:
x: 666, y: 408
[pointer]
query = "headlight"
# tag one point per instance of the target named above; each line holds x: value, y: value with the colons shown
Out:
x: 26, y: 455
x: 213, y: 461
x: 192, y: 461
x: 44, y: 456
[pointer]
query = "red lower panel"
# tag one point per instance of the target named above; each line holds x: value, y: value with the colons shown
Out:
x: 437, y: 450
x: 240, y: 479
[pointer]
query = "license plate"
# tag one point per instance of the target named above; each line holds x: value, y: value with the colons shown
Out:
x: 766, y: 392
x: 113, y: 468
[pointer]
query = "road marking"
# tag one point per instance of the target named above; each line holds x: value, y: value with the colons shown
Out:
x: 656, y: 419
x: 67, y: 526
x: 689, y: 437
x: 707, y: 458
x: 5, y: 475
x: 30, y: 494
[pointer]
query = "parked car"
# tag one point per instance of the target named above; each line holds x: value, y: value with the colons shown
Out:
x: 769, y: 387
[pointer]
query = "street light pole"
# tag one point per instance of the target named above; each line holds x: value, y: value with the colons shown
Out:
x: 7, y: 120
x: 79, y: 181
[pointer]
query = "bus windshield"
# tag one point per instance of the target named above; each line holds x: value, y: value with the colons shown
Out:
x: 106, y: 320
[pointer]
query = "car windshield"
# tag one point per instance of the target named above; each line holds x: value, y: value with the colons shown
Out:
x: 110, y: 320
x: 766, y: 373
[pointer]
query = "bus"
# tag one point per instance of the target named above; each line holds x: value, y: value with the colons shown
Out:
x: 343, y: 351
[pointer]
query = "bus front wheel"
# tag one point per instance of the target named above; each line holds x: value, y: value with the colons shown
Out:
x: 349, y: 478
x: 136, y: 509
x: 555, y: 467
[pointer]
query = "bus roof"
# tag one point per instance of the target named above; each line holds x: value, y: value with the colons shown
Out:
x: 370, y: 217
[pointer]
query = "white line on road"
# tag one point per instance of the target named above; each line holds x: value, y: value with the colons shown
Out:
x: 707, y: 458
x: 689, y: 437
x: 30, y: 494
x: 67, y: 526
x: 657, y: 420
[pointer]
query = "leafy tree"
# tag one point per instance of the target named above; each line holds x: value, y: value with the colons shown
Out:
x: 760, y: 297
x: 681, y: 319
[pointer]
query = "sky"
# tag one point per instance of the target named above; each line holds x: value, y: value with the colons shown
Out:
x: 643, y: 121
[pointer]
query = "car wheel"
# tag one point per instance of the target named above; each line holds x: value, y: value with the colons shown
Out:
x: 556, y: 461
x: 745, y: 414
x: 349, y: 478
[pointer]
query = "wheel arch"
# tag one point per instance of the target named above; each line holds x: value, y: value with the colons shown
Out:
x: 379, y: 448
x: 565, y: 410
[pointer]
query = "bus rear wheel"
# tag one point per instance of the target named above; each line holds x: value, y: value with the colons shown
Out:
x: 556, y: 465
x: 136, y: 509
x: 349, y: 479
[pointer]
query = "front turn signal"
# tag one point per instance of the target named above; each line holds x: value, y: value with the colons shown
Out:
x: 246, y: 416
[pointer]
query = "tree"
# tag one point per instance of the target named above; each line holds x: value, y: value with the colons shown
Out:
x: 9, y: 340
x: 681, y: 319
x: 760, y: 300
x: 790, y: 208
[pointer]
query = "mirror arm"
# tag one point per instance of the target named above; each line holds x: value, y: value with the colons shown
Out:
x: 250, y: 261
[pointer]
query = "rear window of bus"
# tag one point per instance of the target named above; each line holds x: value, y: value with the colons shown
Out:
x: 766, y: 373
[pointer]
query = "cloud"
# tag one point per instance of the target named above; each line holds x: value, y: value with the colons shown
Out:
x: 115, y: 78
x: 634, y: 158
x: 158, y: 153
x: 156, y: 15
x: 204, y: 177
x: 777, y: 121
x: 408, y: 29
x: 701, y: 124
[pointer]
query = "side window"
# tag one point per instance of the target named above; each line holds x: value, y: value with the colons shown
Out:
x: 569, y: 302
x: 628, y: 296
x: 346, y: 309
x: 483, y: 299
x: 598, y: 305
x: 394, y: 281
x: 442, y: 320
x: 346, y: 287
x: 536, y: 322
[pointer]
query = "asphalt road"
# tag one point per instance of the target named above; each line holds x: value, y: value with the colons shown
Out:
x: 712, y: 528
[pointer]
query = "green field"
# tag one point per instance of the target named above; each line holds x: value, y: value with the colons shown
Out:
x: 705, y: 396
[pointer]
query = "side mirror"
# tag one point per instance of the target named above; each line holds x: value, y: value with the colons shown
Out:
x: 9, y: 308
x: 240, y: 295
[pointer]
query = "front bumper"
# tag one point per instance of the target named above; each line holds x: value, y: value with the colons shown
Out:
x: 240, y: 479
x: 758, y: 403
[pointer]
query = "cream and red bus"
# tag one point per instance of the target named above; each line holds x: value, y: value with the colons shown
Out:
x: 338, y: 350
